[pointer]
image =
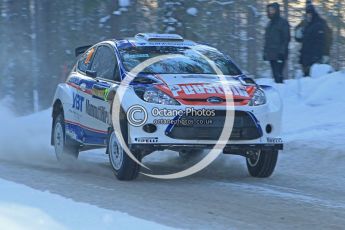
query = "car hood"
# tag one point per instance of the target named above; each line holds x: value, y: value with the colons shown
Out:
x: 203, y: 89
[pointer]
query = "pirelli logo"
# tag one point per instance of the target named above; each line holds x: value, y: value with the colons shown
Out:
x: 274, y: 140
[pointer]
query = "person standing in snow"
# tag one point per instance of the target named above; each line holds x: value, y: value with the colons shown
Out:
x: 316, y: 38
x: 299, y: 30
x: 277, y: 39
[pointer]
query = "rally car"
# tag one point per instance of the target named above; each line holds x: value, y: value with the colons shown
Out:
x: 175, y: 98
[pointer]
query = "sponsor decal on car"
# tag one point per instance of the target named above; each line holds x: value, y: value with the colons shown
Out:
x: 78, y: 102
x: 208, y: 89
x: 146, y: 140
x: 274, y: 140
x: 98, y: 112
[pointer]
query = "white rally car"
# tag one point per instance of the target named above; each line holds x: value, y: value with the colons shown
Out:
x: 175, y: 98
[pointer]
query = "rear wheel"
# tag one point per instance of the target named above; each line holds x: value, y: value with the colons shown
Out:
x: 65, y: 150
x: 261, y: 164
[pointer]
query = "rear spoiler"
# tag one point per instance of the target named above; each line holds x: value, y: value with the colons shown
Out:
x: 81, y: 50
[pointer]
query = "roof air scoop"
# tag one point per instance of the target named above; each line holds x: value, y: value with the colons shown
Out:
x: 159, y: 37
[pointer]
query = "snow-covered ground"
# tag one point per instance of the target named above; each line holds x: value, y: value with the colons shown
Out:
x: 26, y: 140
x: 306, y: 189
x: 22, y: 207
x: 314, y: 110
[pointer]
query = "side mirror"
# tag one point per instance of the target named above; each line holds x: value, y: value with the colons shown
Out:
x: 91, y: 73
x: 103, y: 92
x: 112, y: 93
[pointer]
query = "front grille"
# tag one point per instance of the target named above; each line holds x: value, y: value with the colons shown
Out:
x: 245, y: 128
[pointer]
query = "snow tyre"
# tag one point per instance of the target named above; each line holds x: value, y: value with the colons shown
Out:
x: 124, y: 167
x: 65, y: 150
x: 263, y: 165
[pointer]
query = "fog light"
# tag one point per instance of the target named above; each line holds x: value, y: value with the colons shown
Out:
x: 150, y: 128
x: 269, y: 128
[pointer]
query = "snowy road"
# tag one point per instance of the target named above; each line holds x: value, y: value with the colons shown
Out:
x: 306, y: 191
x: 221, y: 197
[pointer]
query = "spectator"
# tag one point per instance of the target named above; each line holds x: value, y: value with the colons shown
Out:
x: 299, y: 30
x: 277, y: 38
x: 316, y: 38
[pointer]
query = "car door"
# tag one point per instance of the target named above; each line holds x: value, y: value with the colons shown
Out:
x: 80, y: 85
x: 97, y: 108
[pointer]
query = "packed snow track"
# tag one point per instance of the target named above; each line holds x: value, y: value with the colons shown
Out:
x: 221, y: 197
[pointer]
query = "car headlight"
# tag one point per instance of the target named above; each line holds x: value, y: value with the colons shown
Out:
x: 259, y: 98
x: 156, y: 96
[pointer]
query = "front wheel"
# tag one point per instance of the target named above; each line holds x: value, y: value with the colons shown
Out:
x: 261, y: 164
x: 123, y: 166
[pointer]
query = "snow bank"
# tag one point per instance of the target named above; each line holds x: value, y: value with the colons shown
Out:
x: 314, y: 110
x: 319, y: 70
x: 24, y: 208
x: 25, y: 138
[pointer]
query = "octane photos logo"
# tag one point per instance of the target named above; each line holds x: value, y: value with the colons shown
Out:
x: 138, y: 116
x: 156, y: 112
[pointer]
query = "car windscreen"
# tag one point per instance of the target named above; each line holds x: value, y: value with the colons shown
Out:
x: 182, y: 60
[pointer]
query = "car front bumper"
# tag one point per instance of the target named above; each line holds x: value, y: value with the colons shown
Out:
x: 258, y: 126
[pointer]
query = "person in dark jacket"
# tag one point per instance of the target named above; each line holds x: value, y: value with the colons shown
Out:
x: 299, y: 30
x: 316, y: 38
x: 277, y: 38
